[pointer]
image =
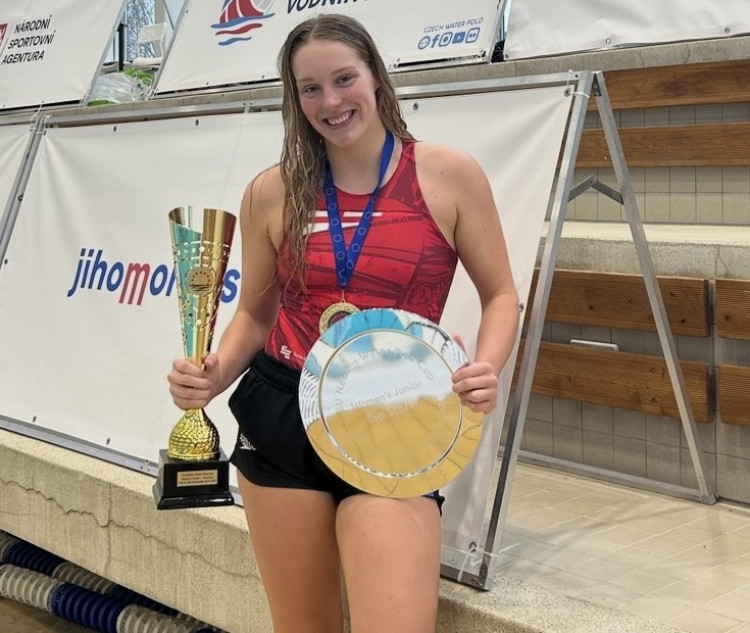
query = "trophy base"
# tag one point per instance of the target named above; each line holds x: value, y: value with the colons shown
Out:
x: 182, y: 484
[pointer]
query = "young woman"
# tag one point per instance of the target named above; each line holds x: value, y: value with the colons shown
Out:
x: 430, y: 206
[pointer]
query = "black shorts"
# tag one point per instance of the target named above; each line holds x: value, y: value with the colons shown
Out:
x: 272, y: 448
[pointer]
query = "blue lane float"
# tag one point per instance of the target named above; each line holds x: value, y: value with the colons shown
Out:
x: 37, y: 578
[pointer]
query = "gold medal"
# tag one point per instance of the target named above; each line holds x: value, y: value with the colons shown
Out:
x: 338, y: 309
x: 346, y: 257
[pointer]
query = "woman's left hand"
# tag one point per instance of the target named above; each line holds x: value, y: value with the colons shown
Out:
x: 476, y: 384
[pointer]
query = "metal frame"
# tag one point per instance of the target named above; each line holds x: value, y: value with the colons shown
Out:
x: 588, y: 84
x: 153, y: 93
x: 8, y: 218
x: 114, y: 115
x: 580, y: 86
x: 706, y: 494
x: 103, y: 56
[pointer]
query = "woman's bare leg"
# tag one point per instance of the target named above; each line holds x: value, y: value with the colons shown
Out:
x: 294, y: 539
x: 390, y: 550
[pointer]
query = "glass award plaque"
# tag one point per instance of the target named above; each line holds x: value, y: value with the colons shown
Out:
x: 376, y: 400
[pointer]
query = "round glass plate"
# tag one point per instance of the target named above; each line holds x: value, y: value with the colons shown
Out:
x: 377, y: 404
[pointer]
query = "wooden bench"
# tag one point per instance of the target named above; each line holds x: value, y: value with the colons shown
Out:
x: 733, y: 322
x: 733, y: 309
x: 734, y: 394
x: 636, y: 382
x: 719, y: 144
x: 703, y: 83
x: 621, y: 301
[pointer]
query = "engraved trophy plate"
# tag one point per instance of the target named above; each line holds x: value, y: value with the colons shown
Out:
x: 377, y: 404
x: 193, y: 470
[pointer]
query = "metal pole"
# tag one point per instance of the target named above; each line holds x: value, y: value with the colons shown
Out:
x: 582, y: 90
x: 8, y: 219
x: 652, y: 287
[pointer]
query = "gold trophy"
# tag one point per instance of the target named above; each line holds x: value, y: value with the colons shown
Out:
x: 193, y: 470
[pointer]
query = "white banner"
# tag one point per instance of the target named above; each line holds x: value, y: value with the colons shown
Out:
x: 87, y: 305
x: 550, y: 27
x: 51, y: 50
x: 99, y: 325
x: 519, y: 151
x: 13, y: 142
x: 225, y: 42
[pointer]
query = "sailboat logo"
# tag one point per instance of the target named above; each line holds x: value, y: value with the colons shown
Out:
x: 239, y: 18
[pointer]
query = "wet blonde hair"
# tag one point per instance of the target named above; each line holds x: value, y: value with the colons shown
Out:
x: 303, y: 155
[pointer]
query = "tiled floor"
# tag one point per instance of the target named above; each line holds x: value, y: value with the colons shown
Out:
x: 679, y: 562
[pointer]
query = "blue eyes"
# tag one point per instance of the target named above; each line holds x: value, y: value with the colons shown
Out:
x: 310, y: 91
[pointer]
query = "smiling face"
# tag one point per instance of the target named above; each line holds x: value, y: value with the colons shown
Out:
x: 337, y: 92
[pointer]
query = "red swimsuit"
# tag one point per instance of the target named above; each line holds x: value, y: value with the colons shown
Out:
x: 405, y: 263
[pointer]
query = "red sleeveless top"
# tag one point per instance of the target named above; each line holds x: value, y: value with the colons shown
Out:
x: 405, y: 263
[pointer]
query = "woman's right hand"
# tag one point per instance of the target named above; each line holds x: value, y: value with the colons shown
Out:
x: 191, y: 386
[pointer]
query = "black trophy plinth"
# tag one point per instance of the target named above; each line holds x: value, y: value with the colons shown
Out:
x: 182, y: 484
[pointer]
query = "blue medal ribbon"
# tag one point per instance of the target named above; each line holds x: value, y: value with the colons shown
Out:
x: 346, y: 258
